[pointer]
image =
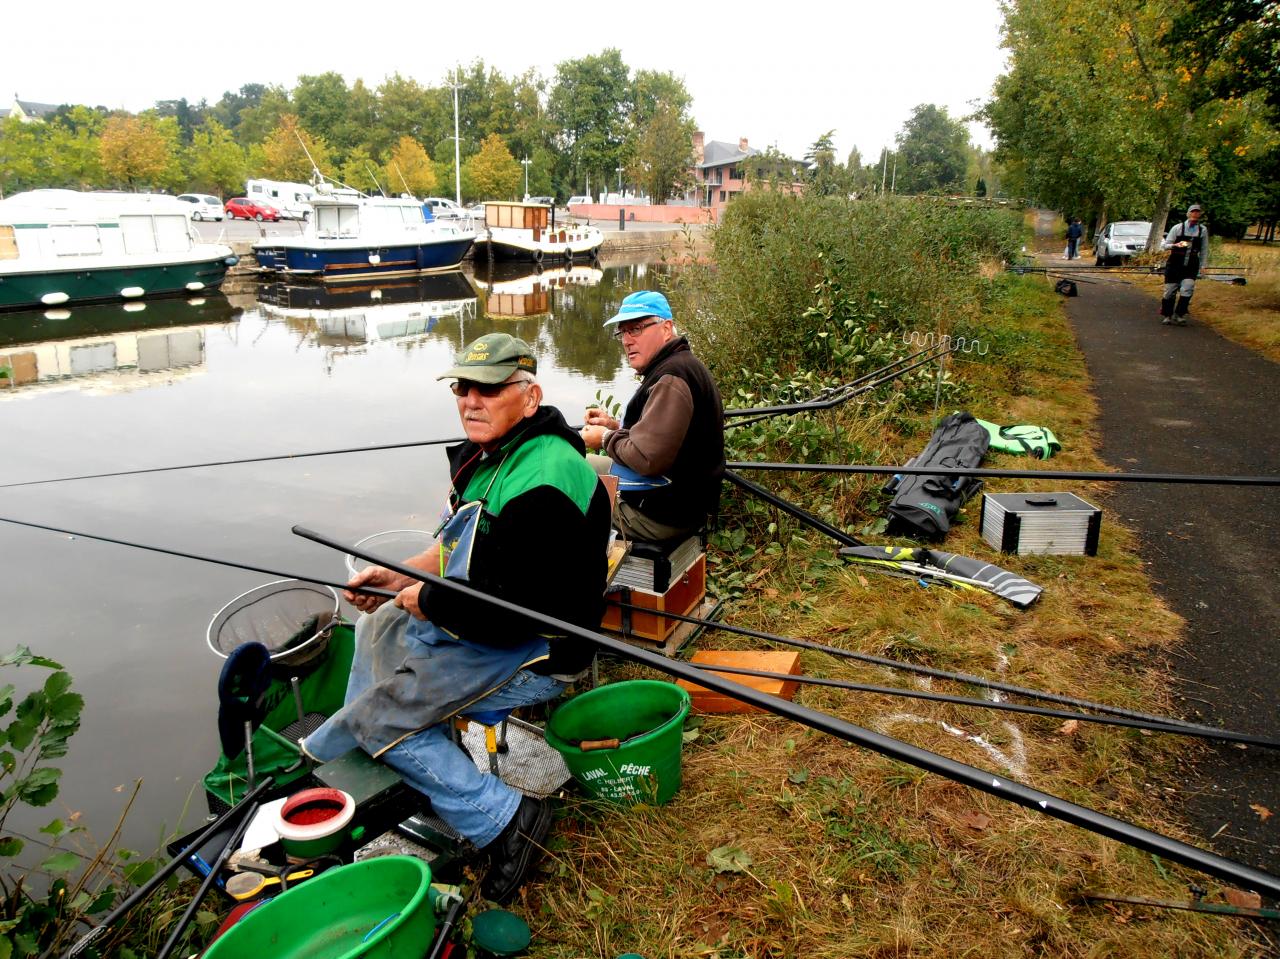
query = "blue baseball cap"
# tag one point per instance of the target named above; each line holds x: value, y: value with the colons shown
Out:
x: 641, y: 304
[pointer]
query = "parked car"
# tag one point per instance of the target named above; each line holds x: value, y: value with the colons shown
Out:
x: 240, y: 208
x: 1120, y: 240
x: 544, y: 200
x: 575, y: 200
x: 203, y: 206
x: 442, y: 209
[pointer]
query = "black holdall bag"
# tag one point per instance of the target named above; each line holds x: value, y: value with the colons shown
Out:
x: 923, y: 506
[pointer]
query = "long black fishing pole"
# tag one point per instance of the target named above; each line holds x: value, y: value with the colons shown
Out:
x: 145, y: 890
x: 792, y: 509
x: 801, y: 643
x: 1108, y: 826
x: 840, y: 394
x: 369, y: 590
x: 1171, y: 728
x: 1208, y: 479
x: 251, y: 459
x: 916, y: 668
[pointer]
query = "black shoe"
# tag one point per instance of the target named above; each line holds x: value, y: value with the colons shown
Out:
x: 515, y: 849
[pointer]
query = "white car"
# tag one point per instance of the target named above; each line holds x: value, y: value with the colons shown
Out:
x: 443, y: 209
x: 1120, y: 240
x: 203, y: 206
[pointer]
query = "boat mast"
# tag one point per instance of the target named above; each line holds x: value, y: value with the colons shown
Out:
x: 457, y: 141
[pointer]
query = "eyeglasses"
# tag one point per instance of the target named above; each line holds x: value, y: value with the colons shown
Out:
x: 487, y: 390
x: 634, y: 329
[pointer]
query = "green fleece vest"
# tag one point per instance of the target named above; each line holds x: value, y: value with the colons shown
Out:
x: 546, y: 460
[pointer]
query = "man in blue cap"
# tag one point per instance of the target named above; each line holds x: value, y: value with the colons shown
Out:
x: 672, y: 431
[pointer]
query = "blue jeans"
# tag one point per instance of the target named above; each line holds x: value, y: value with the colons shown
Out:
x: 476, y: 804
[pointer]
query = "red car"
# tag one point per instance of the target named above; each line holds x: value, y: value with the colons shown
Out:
x: 239, y: 207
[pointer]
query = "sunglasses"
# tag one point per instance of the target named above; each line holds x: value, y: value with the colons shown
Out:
x: 487, y: 390
x: 633, y: 330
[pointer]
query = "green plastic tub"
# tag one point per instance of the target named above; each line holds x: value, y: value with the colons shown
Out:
x: 646, y: 717
x: 373, y: 908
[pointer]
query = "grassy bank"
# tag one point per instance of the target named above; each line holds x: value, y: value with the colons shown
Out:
x: 784, y: 842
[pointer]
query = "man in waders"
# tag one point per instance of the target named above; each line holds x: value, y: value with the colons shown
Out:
x: 527, y: 521
x: 1188, y: 246
x: 671, y: 436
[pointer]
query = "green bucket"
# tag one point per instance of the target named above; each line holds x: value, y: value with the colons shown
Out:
x: 372, y: 908
x: 646, y: 717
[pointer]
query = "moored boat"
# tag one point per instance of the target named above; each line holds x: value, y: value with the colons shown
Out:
x: 353, y: 237
x: 63, y: 246
x: 524, y: 231
x: 517, y: 291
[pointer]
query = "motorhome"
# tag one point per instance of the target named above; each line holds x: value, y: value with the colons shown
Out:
x: 293, y: 200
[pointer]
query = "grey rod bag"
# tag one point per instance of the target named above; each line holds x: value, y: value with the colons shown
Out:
x: 923, y: 506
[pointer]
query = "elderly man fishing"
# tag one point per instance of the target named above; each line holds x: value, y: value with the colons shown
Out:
x: 671, y: 437
x: 527, y: 521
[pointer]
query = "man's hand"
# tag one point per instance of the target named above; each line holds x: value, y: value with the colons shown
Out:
x: 378, y: 577
x: 598, y: 417
x: 407, y: 599
x: 593, y: 437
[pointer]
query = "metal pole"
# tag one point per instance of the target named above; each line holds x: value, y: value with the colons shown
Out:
x: 980, y: 779
x: 526, y: 161
x: 884, y: 168
x: 457, y: 142
x: 1206, y: 479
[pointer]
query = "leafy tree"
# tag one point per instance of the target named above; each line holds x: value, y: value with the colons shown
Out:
x: 932, y: 152
x: 217, y: 163
x: 651, y: 90
x: 140, y: 152
x: 285, y: 152
x: 256, y: 122
x: 21, y: 156
x: 410, y: 168
x: 588, y: 106
x: 73, y: 157
x: 360, y: 172
x: 981, y: 188
x: 406, y: 108
x: 188, y: 117
x: 230, y: 106
x: 662, y: 163
x: 493, y: 173
x: 826, y: 177
x: 322, y: 104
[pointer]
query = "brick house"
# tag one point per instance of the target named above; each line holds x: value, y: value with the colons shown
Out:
x: 722, y: 170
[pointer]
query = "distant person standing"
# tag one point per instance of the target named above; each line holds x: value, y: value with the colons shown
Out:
x: 1074, y: 232
x: 1188, y: 246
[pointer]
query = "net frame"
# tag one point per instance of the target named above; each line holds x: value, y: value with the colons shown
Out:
x: 378, y: 543
x: 293, y: 655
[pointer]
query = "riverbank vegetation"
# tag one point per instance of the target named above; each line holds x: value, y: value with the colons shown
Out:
x: 784, y: 842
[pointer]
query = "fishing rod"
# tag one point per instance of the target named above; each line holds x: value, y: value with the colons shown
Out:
x: 805, y: 644
x: 1206, y: 479
x: 983, y: 780
x: 251, y: 459
x: 801, y: 514
x: 930, y: 671
x: 1172, y: 728
x: 835, y: 395
x: 368, y: 590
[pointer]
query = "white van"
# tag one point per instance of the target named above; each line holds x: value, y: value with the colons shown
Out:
x: 293, y: 200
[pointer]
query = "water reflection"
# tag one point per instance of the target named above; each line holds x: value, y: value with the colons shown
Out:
x: 290, y: 370
x: 106, y: 347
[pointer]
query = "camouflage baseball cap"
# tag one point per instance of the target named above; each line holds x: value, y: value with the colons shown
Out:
x: 491, y: 359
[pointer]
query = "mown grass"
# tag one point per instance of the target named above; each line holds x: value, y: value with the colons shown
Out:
x: 848, y: 853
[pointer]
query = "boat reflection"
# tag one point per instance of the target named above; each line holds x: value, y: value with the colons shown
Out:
x: 110, y: 347
x: 517, y: 290
x: 352, y: 316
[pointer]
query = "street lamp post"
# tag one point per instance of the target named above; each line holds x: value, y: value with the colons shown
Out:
x: 525, y: 162
x: 619, y: 169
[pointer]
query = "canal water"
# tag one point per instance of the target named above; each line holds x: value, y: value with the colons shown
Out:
x: 283, y: 369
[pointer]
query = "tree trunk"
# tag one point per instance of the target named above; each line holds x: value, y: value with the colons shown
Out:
x: 1163, y: 202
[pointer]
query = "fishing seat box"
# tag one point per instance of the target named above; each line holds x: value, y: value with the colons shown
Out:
x: 1025, y: 523
x: 664, y: 577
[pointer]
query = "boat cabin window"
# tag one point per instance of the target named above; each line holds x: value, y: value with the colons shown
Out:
x: 75, y: 239
x: 154, y: 234
x: 337, y: 220
x: 8, y: 243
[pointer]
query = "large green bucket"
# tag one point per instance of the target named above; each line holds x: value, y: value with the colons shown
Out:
x: 647, y: 719
x: 372, y: 908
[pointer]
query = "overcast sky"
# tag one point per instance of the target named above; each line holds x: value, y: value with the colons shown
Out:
x: 783, y: 77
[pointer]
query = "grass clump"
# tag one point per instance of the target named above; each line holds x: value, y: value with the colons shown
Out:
x: 784, y: 842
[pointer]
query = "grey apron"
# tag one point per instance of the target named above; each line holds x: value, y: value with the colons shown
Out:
x: 409, y: 674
